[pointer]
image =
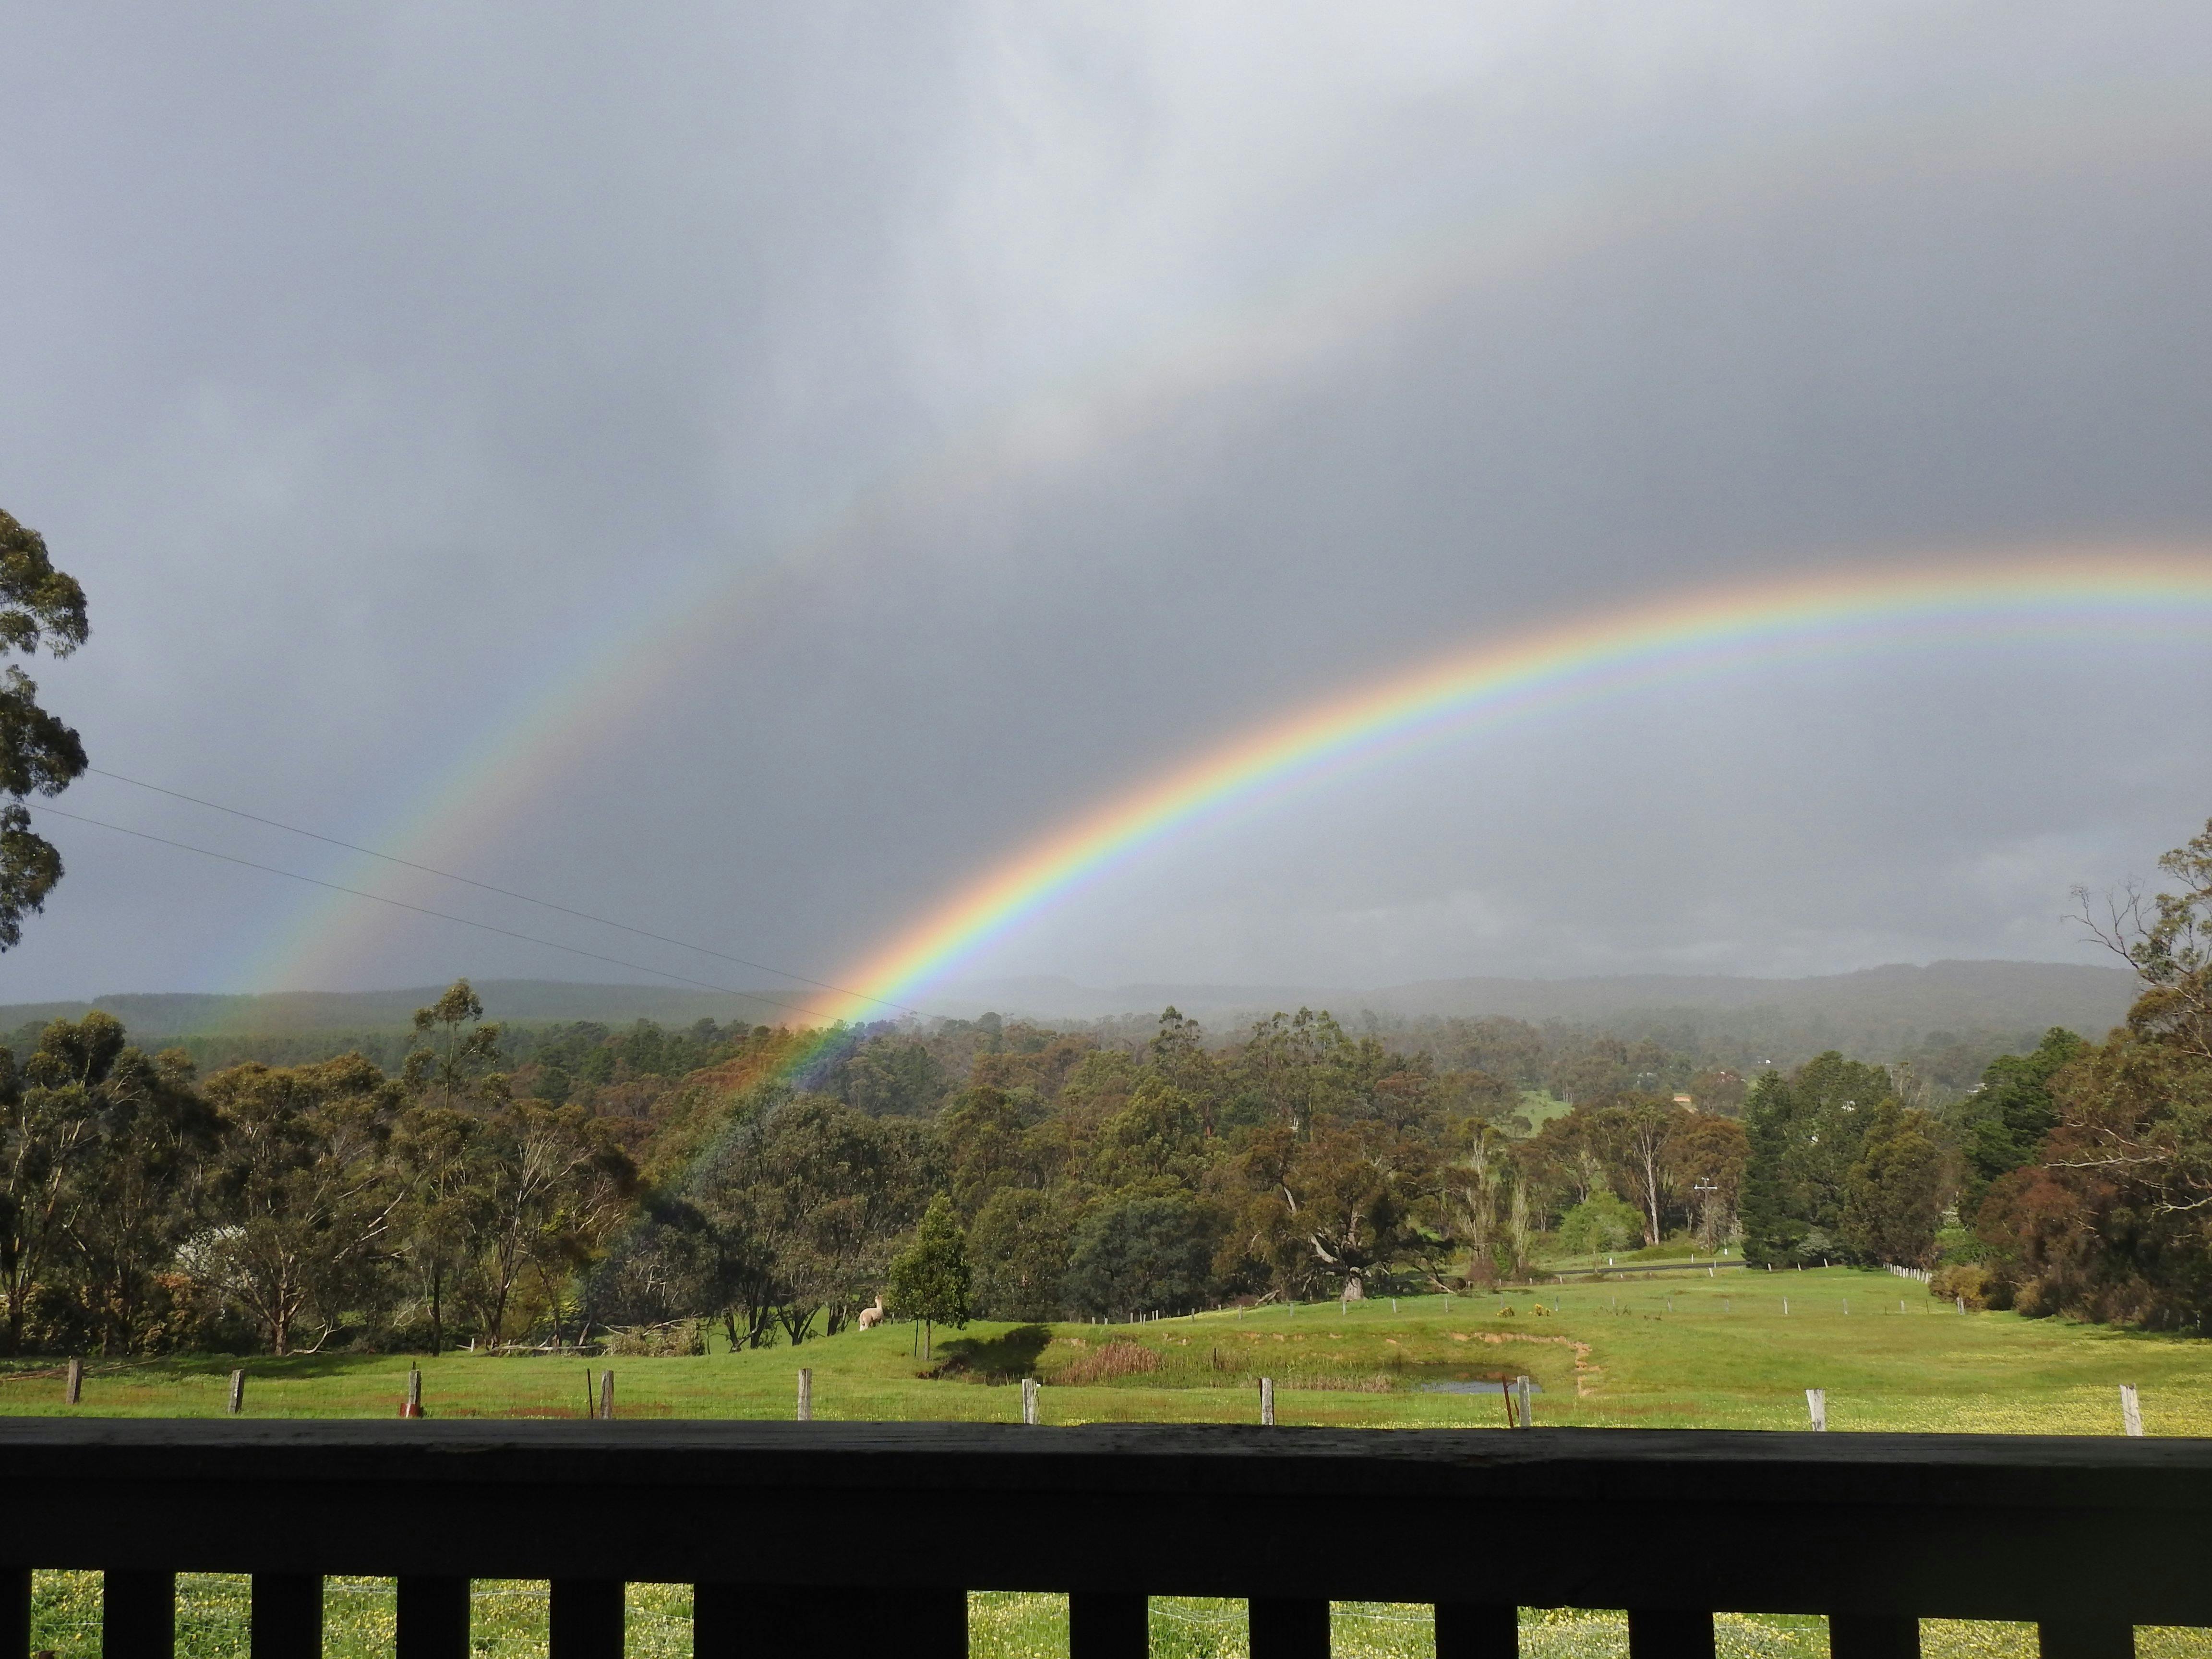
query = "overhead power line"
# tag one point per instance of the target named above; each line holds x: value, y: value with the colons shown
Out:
x: 486, y: 887
x: 424, y: 911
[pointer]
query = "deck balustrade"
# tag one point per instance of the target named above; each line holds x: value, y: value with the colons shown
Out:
x: 825, y: 1539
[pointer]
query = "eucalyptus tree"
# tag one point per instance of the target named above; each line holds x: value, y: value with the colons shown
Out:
x: 39, y: 606
x: 461, y: 1055
x: 50, y: 1129
x: 437, y: 1156
x: 549, y: 1186
x: 302, y: 1203
x: 819, y: 1193
x: 141, y: 1191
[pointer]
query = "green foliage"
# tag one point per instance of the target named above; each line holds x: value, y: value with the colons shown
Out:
x: 801, y: 1201
x: 2114, y: 1222
x: 1967, y: 1282
x: 39, y: 606
x: 1601, y: 1222
x: 930, y: 1280
x: 891, y: 1076
x: 454, y: 1060
x: 637, y: 1176
x: 1155, y: 1144
x: 1806, y: 1132
x: 1894, y: 1195
x: 1143, y: 1255
x: 1019, y: 1246
x: 2013, y: 1110
x: 299, y: 1204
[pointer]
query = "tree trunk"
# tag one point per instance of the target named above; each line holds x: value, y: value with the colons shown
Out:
x: 1651, y: 1193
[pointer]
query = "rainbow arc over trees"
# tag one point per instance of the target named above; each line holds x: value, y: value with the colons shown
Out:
x: 1953, y: 602
x: 498, y: 780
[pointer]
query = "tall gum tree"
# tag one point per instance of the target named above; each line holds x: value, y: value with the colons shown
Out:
x: 39, y: 606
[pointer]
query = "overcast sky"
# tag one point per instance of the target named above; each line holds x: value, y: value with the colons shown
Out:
x: 931, y: 421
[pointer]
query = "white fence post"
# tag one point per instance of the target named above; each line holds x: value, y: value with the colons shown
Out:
x: 805, y: 1394
x: 1816, y: 1402
x: 1267, y: 1402
x: 2131, y: 1409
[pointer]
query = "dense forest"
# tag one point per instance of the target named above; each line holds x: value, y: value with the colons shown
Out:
x: 499, y: 1187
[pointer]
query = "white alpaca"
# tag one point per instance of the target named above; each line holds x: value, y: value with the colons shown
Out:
x: 871, y: 1317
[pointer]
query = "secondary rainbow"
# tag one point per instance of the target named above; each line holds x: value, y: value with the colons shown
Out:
x: 593, y: 697
x: 2065, y: 595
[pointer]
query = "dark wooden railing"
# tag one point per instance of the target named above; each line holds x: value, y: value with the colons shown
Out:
x: 853, y: 1538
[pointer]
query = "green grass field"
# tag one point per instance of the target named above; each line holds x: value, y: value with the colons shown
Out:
x: 1681, y: 1351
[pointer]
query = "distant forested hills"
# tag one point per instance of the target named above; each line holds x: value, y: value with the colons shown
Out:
x: 295, y: 1028
x: 1876, y: 1010
x: 1893, y: 1012
x: 185, y: 1013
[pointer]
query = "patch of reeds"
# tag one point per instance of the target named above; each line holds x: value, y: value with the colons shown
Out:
x: 1115, y: 1359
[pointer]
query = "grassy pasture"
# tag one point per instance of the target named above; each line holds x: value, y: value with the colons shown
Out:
x: 1681, y: 1350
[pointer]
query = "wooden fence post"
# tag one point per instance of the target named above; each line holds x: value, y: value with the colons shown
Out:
x: 237, y: 1392
x: 606, y: 1396
x: 1267, y: 1403
x: 414, y: 1406
x: 2131, y: 1409
x: 1029, y: 1399
x: 1816, y: 1402
x: 1521, y: 1387
x: 805, y: 1394
x: 76, y: 1385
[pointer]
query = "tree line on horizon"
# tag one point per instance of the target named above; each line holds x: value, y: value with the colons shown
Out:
x: 769, y: 1184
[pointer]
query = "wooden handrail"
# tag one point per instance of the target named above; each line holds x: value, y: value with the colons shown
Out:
x: 2089, y: 1536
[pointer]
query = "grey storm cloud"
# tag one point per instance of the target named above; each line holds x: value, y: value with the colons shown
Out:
x: 1030, y: 398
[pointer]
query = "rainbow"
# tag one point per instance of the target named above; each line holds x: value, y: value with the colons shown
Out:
x: 2065, y: 595
x: 593, y: 696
